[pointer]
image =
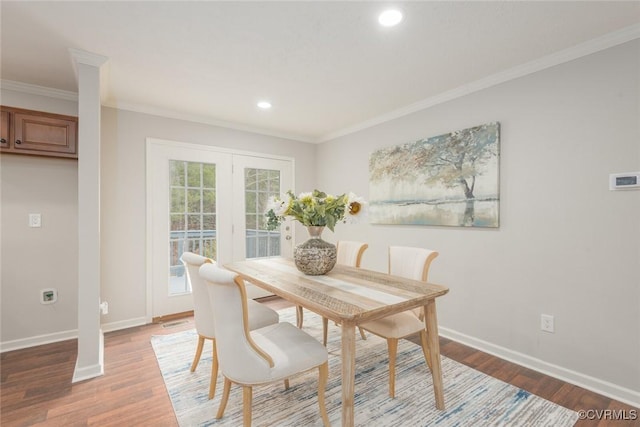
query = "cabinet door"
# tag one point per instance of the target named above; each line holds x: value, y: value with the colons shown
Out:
x: 35, y: 134
x: 4, y: 130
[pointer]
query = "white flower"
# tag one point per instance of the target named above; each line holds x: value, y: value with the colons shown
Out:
x: 278, y: 206
x: 355, y: 210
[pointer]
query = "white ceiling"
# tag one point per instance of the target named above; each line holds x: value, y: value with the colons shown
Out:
x: 327, y: 67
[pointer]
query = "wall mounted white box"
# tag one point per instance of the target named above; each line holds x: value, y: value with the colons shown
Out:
x: 624, y: 181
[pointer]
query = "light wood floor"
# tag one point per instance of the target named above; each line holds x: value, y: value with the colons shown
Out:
x: 36, y: 387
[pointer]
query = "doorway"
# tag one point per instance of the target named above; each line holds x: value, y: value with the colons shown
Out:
x: 210, y: 201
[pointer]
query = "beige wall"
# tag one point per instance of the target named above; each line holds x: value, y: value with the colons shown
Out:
x: 566, y: 246
x: 39, y: 258
x: 32, y: 259
x: 123, y: 185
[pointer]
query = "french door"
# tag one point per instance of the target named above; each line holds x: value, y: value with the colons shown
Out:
x: 255, y: 179
x: 209, y: 201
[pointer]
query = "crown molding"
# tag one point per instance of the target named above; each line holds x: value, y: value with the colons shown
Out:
x: 39, y: 90
x: 83, y: 57
x: 73, y: 96
x: 87, y: 58
x: 171, y: 114
x: 601, y: 43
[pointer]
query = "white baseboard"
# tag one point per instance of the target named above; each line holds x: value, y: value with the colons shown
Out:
x: 38, y: 340
x: 66, y: 335
x: 88, y: 372
x: 91, y: 371
x: 123, y: 324
x: 622, y: 394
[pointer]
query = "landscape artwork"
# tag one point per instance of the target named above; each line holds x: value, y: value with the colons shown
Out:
x: 445, y: 180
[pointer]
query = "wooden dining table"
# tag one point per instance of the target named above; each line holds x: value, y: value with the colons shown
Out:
x: 351, y: 296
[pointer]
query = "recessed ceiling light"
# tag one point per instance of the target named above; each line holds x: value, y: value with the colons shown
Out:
x: 265, y: 105
x: 390, y: 17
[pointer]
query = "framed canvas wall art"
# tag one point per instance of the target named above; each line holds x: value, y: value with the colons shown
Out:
x: 447, y: 180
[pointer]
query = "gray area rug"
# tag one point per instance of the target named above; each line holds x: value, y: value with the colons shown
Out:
x: 471, y: 397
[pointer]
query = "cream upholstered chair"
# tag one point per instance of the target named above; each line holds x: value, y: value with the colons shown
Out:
x: 259, y: 315
x: 411, y: 263
x: 350, y: 254
x: 250, y: 358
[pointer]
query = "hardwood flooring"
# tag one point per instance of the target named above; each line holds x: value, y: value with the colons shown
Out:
x: 36, y: 389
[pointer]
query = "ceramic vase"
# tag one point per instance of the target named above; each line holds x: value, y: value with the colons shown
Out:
x: 315, y: 256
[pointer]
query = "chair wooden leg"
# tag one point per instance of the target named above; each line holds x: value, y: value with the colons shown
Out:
x: 214, y: 371
x: 225, y: 398
x: 325, y: 327
x: 247, y: 397
x: 322, y: 385
x: 196, y: 359
x: 392, y: 344
x: 299, y: 316
x: 425, y: 347
x: 286, y: 384
x: 364, y: 337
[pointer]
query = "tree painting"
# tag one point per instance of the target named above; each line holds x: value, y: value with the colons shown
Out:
x: 450, y: 179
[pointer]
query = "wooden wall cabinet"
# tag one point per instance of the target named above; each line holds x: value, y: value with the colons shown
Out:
x: 38, y: 133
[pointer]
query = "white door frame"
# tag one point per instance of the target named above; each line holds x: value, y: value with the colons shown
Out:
x: 154, y: 144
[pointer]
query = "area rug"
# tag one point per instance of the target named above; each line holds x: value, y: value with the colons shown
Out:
x: 472, y: 398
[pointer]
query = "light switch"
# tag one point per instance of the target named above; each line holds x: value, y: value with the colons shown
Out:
x: 35, y: 220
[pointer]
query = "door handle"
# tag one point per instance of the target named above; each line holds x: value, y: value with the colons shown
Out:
x: 288, y: 237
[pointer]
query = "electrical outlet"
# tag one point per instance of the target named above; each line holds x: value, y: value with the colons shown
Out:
x: 35, y: 220
x: 546, y: 323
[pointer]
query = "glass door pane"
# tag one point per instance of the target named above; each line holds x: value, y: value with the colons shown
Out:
x: 260, y: 184
x: 256, y: 179
x: 187, y: 184
x: 192, y: 217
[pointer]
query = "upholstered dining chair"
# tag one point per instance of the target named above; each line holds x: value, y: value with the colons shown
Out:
x: 411, y: 263
x: 250, y: 358
x: 350, y: 254
x: 259, y: 314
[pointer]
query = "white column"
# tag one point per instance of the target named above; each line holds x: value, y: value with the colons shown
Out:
x: 90, y: 362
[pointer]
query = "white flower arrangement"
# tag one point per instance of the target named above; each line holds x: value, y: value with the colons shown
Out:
x: 316, y: 209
